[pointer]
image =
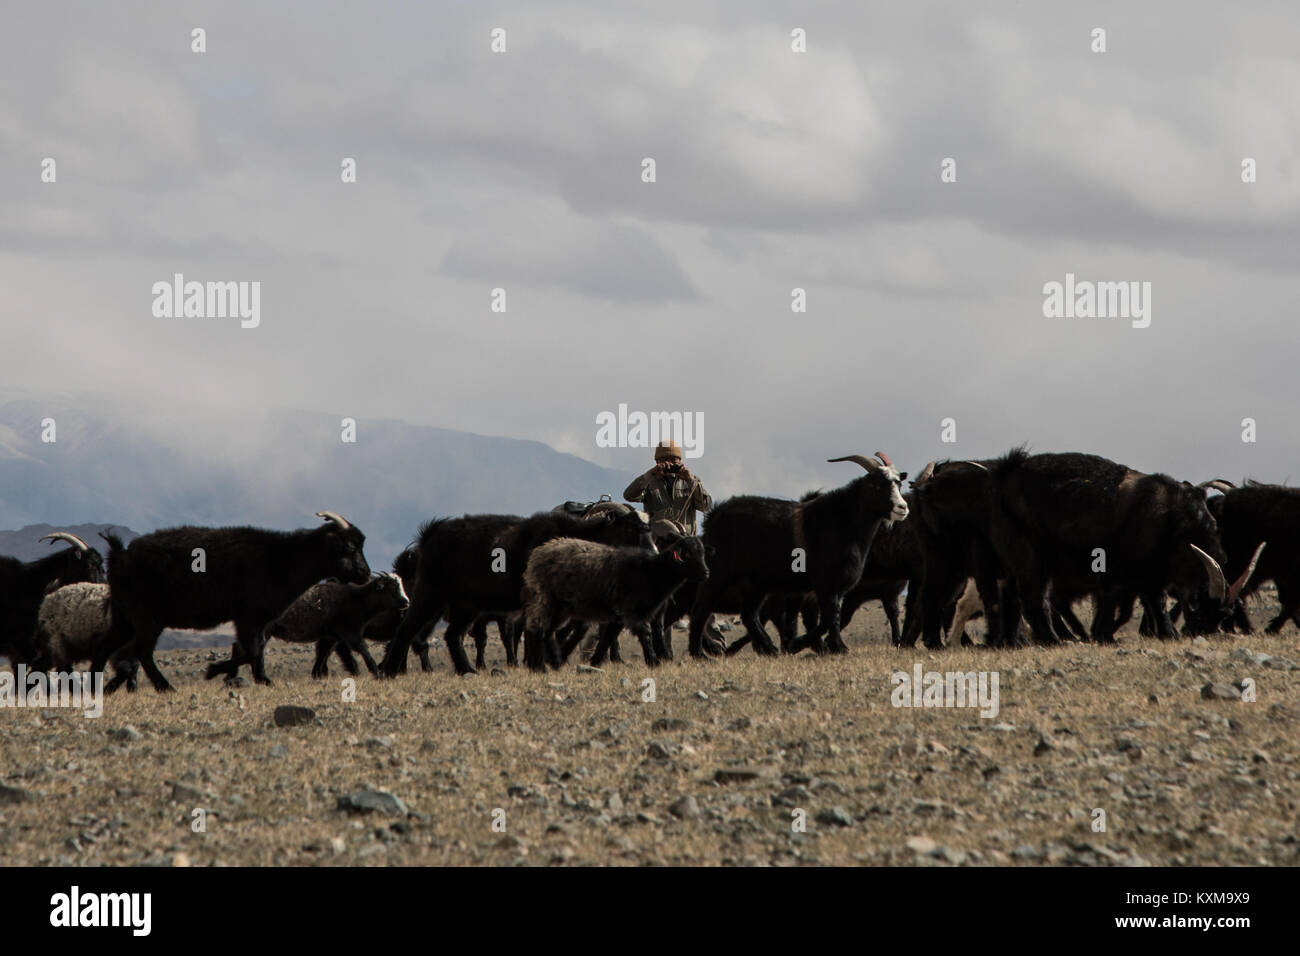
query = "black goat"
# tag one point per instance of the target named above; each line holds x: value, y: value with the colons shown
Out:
x: 248, y: 575
x: 1051, y: 512
x: 950, y: 502
x: 23, y: 585
x: 595, y: 583
x: 475, y: 565
x: 893, y: 562
x: 332, y: 614
x: 764, y: 546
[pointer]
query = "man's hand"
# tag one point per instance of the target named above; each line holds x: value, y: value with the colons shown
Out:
x: 685, y: 472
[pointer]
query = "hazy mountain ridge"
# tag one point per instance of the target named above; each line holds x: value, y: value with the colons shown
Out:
x: 134, y: 469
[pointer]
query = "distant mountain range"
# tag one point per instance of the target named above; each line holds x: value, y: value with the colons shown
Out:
x: 144, y: 469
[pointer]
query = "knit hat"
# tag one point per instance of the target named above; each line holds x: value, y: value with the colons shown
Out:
x: 667, y: 449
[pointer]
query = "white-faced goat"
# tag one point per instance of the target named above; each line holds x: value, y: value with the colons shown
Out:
x: 573, y: 580
x: 333, y: 613
x: 766, y: 546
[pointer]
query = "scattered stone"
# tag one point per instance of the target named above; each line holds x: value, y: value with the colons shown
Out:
x: 512, y: 842
x: 186, y: 795
x: 239, y: 681
x: 126, y: 733
x: 921, y: 845
x: 291, y: 715
x: 1214, y: 691
x: 835, y: 816
x: 181, y: 859
x: 1003, y: 728
x: 666, y: 724
x: 278, y: 751
x: 1026, y: 852
x: 701, y: 695
x: 338, y: 845
x: 371, y: 801
x: 657, y: 751
x: 1044, y: 745
x: 741, y: 774
x: 1250, y: 657
x: 588, y: 669
x: 614, y: 802
x: 499, y: 672
x: 797, y: 796
x: 684, y: 808
x: 955, y: 857
x: 11, y: 795
x: 379, y: 743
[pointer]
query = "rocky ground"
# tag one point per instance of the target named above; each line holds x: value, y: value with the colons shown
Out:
x: 744, y: 761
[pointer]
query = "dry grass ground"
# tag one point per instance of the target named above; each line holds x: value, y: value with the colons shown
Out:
x: 586, y: 772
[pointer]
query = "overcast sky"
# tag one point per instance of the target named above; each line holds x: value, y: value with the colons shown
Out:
x: 775, y: 170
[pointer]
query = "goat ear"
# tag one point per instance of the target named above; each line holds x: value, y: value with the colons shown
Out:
x: 902, y: 476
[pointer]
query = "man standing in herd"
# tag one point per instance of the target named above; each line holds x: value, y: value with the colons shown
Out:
x: 671, y: 494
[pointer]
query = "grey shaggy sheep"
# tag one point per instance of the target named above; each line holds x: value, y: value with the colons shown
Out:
x: 333, y: 612
x: 71, y: 622
x: 571, y: 579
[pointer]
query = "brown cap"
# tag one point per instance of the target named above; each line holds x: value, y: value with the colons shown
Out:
x: 667, y: 449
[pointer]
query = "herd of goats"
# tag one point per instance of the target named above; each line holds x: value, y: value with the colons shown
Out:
x: 1025, y: 537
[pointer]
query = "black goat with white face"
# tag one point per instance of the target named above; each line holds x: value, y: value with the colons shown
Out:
x: 195, y: 577
x: 23, y: 585
x: 475, y: 565
x: 1062, y: 515
x: 763, y: 546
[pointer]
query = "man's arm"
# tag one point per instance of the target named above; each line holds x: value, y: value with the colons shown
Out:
x: 636, y: 490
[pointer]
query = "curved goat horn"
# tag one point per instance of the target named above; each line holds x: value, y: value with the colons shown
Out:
x: 975, y: 463
x: 336, y: 518
x: 1218, y: 586
x: 885, y: 458
x: 870, y: 464
x: 1240, y: 583
x: 65, y: 536
x: 924, y: 476
x: 1218, y: 484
